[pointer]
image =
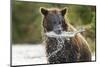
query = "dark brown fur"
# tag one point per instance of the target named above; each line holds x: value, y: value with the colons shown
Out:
x: 75, y: 50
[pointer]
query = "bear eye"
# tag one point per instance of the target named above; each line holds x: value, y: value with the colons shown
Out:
x: 59, y: 22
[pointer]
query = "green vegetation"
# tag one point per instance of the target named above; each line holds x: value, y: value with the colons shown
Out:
x: 26, y: 20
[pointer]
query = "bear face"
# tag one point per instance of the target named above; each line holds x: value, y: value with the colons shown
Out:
x: 54, y: 20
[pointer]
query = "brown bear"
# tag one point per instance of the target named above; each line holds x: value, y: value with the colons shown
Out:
x: 74, y: 50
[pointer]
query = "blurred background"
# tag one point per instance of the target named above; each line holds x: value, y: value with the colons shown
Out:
x: 27, y: 19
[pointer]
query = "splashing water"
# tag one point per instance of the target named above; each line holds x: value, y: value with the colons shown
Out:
x: 60, y: 45
x: 61, y: 38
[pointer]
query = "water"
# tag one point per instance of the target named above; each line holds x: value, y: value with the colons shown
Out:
x: 36, y: 54
x: 61, y: 38
x: 25, y: 54
x: 60, y: 42
x: 30, y: 54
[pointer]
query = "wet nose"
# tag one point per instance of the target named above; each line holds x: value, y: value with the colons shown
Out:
x: 57, y: 29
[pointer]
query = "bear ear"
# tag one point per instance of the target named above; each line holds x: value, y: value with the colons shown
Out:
x: 44, y: 11
x: 63, y: 11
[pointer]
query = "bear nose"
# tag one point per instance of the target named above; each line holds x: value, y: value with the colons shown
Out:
x: 57, y: 29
